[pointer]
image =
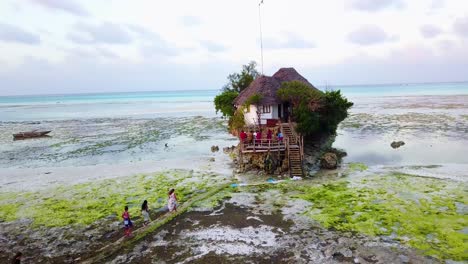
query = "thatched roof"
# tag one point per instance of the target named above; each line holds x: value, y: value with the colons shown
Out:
x: 268, y: 86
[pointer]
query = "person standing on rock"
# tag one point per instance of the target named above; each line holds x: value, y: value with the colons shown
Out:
x: 172, y: 201
x: 127, y: 222
x: 145, y: 212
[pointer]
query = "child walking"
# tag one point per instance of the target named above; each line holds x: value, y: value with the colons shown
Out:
x: 127, y: 222
x: 172, y: 202
x: 145, y: 212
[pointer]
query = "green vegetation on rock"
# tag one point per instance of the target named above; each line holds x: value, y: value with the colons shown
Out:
x: 223, y: 103
x: 313, y: 110
x: 422, y: 216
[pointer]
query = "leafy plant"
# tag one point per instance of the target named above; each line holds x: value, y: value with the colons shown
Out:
x: 334, y: 111
x: 237, y: 82
x: 237, y: 120
x: 224, y: 103
x: 313, y: 110
x: 298, y: 93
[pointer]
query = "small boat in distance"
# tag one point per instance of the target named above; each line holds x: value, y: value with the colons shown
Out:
x: 30, y: 134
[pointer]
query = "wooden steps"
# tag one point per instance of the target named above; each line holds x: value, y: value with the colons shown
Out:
x: 295, y: 161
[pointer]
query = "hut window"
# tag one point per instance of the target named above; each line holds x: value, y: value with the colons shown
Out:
x: 266, y: 109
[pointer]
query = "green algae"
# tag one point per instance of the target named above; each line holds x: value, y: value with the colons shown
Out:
x: 429, y: 222
x: 213, y: 201
x: 8, y: 212
x: 357, y: 166
x: 67, y: 142
x: 84, y: 204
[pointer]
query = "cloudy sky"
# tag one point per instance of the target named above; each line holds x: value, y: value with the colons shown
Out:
x: 71, y: 46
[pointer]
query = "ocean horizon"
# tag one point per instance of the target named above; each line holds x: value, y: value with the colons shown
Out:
x: 181, y: 103
x: 460, y: 84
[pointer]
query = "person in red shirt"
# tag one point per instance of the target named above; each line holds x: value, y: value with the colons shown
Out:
x: 243, y: 136
x: 259, y: 136
x: 269, y: 135
x: 127, y: 222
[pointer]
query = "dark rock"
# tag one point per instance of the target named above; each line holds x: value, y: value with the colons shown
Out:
x: 214, y: 148
x: 228, y: 150
x: 404, y: 259
x: 397, y: 144
x: 329, y: 161
x: 338, y: 152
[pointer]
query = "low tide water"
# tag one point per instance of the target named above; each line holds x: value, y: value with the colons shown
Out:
x: 178, y: 127
x: 110, y: 150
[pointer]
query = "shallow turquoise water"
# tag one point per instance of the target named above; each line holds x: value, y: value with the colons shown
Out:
x: 171, y: 103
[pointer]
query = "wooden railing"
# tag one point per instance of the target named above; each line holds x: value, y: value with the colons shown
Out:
x: 264, y: 145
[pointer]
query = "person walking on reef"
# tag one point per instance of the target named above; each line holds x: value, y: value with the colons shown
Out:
x: 127, y: 222
x: 145, y: 212
x: 172, y: 201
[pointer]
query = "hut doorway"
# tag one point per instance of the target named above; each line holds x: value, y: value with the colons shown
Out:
x: 286, y: 113
x: 280, y: 112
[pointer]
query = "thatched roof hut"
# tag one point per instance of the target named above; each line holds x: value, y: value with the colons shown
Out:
x: 268, y: 86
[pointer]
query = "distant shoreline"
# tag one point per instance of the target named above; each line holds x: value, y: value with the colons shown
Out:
x: 216, y: 90
x: 391, y: 84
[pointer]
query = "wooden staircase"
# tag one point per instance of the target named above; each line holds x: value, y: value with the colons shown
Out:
x: 295, y: 152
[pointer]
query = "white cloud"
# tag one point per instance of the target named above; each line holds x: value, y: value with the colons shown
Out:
x: 69, y: 6
x: 150, y: 34
x: 430, y: 31
x: 369, y: 35
x: 212, y: 46
x: 375, y: 5
x: 288, y: 41
x: 10, y: 33
x: 461, y: 26
x: 191, y: 20
x: 106, y: 33
x: 409, y: 64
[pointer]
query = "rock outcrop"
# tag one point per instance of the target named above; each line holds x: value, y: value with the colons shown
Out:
x: 397, y: 144
x: 214, y: 148
x: 329, y: 161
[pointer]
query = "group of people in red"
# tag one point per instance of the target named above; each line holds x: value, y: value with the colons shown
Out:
x: 253, y: 137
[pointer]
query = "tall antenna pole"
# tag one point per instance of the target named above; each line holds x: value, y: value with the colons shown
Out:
x: 261, y: 40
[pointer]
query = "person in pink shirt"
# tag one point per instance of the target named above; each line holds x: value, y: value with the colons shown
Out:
x: 127, y: 222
